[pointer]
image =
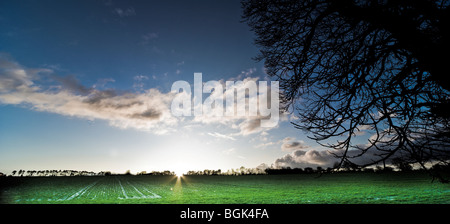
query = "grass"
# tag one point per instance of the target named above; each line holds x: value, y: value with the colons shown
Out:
x: 349, y: 188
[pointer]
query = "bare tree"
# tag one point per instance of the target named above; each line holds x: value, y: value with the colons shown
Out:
x: 351, y: 66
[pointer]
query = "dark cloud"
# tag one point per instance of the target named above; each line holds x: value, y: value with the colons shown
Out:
x: 324, y: 158
x: 290, y: 144
x: 71, y: 83
x: 250, y: 126
x: 301, y: 159
x: 97, y: 96
x: 103, y: 98
x: 150, y: 114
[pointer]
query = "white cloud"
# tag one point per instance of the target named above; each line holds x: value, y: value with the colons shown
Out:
x: 363, y: 129
x: 241, y: 119
x: 263, y: 145
x: 146, y: 111
x: 262, y: 166
x: 247, y: 73
x: 218, y: 135
x: 13, y: 76
x: 140, y: 78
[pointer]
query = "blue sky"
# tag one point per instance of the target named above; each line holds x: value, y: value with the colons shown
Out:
x: 75, y: 75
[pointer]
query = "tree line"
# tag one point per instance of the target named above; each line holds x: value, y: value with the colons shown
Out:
x: 346, y: 167
x: 53, y: 173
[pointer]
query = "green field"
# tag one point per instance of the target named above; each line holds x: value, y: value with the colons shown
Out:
x: 367, y: 188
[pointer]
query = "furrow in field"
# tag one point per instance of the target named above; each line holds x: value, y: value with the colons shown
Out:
x: 142, y: 195
x: 150, y: 193
x: 123, y: 190
x: 80, y: 192
x: 130, y: 191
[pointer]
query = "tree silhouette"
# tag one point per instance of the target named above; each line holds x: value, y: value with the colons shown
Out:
x: 401, y: 165
x: 351, y: 66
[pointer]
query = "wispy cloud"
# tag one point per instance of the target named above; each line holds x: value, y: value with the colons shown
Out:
x: 241, y: 121
x: 147, y: 111
x: 263, y: 145
x: 148, y: 38
x: 101, y: 83
x: 229, y: 151
x: 125, y: 12
x: 144, y: 109
x: 232, y: 152
x: 139, y: 82
x: 218, y: 135
x: 107, y: 2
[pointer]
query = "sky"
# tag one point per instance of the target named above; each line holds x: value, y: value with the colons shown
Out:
x: 86, y: 85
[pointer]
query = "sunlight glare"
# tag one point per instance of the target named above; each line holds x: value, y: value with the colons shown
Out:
x: 179, y: 173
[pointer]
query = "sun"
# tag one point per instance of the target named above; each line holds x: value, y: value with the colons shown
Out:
x: 179, y: 172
